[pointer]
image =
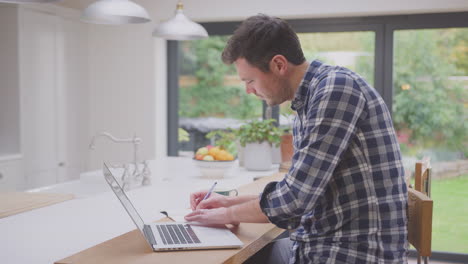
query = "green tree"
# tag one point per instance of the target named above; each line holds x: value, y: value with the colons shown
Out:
x: 210, y: 96
x: 459, y: 53
x: 313, y: 44
x: 426, y: 102
x: 365, y: 64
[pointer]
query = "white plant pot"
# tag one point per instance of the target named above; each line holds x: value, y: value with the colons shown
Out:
x: 275, y: 154
x: 240, y: 153
x: 257, y: 156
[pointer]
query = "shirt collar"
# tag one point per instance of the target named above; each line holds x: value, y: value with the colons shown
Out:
x: 301, y: 93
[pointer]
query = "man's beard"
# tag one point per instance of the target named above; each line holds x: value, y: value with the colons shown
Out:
x: 282, y: 95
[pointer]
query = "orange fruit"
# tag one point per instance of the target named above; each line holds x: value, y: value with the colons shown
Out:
x: 221, y: 155
x: 230, y: 157
x: 213, y: 151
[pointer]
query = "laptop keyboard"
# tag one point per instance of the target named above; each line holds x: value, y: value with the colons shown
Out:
x: 177, y: 234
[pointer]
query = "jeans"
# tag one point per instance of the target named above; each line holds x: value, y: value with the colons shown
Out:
x: 276, y: 252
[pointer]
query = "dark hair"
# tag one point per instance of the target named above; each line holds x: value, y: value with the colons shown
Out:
x: 259, y: 38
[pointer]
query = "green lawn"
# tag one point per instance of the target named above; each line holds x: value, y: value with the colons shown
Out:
x: 450, y: 222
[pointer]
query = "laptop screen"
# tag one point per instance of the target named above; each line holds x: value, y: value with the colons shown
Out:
x: 123, y: 198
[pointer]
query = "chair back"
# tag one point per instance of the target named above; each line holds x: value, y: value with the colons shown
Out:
x: 422, y: 176
x: 420, y: 222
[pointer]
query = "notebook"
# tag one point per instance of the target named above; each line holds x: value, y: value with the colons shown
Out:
x: 171, y: 236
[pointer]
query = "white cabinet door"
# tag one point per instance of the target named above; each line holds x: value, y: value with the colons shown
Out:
x: 9, y: 92
x: 72, y: 98
x: 38, y: 97
x: 11, y: 175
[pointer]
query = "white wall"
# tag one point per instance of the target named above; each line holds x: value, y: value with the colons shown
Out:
x: 121, y: 90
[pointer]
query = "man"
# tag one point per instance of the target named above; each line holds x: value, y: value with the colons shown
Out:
x: 344, y: 197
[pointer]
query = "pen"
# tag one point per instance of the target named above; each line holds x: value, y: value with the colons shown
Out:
x: 210, y: 191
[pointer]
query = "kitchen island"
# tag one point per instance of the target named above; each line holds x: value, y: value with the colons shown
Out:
x: 55, y: 232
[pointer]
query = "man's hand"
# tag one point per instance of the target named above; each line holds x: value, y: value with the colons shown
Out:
x: 225, y: 210
x: 213, y: 201
x: 220, y: 215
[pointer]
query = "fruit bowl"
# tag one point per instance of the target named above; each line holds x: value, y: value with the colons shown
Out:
x: 214, y: 168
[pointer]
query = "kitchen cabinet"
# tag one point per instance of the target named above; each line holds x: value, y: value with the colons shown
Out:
x: 39, y: 108
x: 9, y: 82
x: 11, y: 176
x: 48, y: 94
x: 10, y: 169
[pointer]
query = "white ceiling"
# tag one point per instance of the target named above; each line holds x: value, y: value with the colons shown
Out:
x: 77, y: 4
x: 226, y: 10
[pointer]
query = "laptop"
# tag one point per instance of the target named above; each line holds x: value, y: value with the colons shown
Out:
x: 170, y: 236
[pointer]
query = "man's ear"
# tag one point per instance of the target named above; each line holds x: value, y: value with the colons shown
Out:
x: 279, y: 64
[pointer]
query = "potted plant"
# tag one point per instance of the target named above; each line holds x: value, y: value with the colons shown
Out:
x: 287, y: 148
x: 225, y: 139
x: 257, y: 138
x: 287, y: 144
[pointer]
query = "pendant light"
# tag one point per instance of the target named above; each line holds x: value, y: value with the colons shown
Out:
x: 115, y: 12
x: 28, y: 1
x: 180, y: 27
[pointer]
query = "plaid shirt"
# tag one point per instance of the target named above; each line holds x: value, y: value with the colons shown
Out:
x: 345, y: 193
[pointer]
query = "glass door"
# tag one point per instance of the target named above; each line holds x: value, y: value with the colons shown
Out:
x: 430, y: 99
x: 353, y: 50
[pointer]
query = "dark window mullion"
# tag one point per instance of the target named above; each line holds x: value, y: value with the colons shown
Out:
x: 172, y: 98
x: 388, y: 67
x: 379, y: 60
x: 275, y: 110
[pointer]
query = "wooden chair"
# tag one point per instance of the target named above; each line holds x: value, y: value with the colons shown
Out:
x: 420, y: 223
x: 422, y: 176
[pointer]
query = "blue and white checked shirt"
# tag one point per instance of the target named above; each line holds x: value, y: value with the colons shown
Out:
x: 345, y: 193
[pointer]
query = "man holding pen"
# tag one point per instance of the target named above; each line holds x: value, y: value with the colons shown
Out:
x: 344, y: 196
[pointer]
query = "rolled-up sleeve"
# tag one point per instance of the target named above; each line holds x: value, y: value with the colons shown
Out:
x: 327, y: 127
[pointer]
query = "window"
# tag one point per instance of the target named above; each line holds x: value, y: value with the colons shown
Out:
x: 211, y: 95
x: 353, y: 50
x: 430, y: 84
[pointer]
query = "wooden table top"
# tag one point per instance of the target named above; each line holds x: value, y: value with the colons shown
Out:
x: 132, y: 248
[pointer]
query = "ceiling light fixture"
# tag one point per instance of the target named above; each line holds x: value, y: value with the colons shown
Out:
x: 115, y: 12
x: 180, y: 27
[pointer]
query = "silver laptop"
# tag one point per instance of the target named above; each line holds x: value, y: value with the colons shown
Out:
x: 174, y: 235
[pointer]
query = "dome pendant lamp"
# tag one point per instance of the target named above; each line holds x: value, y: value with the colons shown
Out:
x: 180, y: 27
x: 115, y: 12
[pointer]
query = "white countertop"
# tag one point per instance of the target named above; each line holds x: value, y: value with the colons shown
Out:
x: 52, y: 233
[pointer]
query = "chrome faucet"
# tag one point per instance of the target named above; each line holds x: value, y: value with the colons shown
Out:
x: 135, y: 141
